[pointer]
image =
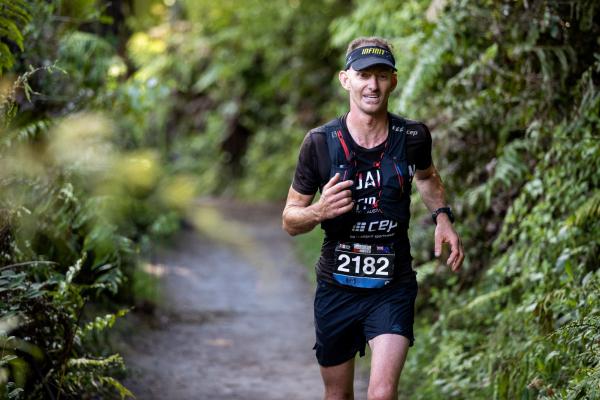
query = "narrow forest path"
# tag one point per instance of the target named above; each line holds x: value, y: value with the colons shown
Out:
x: 236, y: 320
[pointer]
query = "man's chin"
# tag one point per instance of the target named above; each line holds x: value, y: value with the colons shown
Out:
x: 370, y: 108
x: 374, y: 109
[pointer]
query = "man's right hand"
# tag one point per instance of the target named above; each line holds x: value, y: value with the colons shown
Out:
x: 336, y: 198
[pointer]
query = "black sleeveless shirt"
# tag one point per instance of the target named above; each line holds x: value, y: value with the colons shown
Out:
x: 370, y: 225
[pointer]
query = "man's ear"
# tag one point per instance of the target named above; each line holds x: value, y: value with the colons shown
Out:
x: 394, y: 81
x: 344, y: 79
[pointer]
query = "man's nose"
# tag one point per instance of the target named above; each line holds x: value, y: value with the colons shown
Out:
x: 373, y: 83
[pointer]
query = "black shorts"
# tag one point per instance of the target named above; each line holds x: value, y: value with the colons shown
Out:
x: 345, y: 321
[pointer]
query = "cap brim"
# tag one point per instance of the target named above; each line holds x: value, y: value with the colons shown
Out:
x: 364, y: 63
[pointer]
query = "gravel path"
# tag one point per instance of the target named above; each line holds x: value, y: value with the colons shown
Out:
x: 236, y: 322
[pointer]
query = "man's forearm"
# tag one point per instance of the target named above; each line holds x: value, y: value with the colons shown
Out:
x: 301, y: 215
x: 433, y: 194
x: 299, y: 219
x: 432, y: 190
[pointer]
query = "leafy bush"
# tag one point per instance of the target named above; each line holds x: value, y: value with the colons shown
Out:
x: 15, y: 15
x: 510, y: 90
x: 78, y: 208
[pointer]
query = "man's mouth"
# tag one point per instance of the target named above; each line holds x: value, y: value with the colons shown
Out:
x: 371, y: 98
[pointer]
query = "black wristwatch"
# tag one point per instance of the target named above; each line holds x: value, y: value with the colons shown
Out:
x: 445, y: 210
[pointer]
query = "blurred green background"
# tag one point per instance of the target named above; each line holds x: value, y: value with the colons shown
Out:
x: 116, y: 115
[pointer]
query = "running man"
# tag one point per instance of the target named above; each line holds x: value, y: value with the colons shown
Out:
x: 363, y: 164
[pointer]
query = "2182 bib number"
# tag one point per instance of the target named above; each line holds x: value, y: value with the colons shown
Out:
x: 363, y: 265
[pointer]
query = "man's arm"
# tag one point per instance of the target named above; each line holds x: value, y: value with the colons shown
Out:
x: 429, y: 184
x: 300, y: 216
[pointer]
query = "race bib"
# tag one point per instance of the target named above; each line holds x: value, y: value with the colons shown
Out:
x: 364, y: 265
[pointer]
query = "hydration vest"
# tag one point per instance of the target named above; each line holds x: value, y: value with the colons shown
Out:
x: 395, y: 187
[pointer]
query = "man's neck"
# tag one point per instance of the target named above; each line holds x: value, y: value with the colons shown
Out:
x: 367, y: 131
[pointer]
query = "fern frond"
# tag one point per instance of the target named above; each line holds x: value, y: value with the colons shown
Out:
x: 511, y: 170
x: 484, y: 303
x: 587, y: 212
x: 429, y: 62
x: 6, y: 57
x: 549, y: 57
x: 118, y: 386
x: 465, y: 76
x: 101, y: 323
x: 82, y: 44
x: 17, y: 10
x: 14, y: 15
x: 10, y: 31
x: 65, y: 284
x: 108, y: 362
x: 26, y: 133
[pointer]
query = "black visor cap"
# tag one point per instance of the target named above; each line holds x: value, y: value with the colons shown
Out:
x: 365, y: 57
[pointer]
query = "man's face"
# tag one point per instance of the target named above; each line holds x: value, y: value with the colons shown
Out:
x: 369, y: 89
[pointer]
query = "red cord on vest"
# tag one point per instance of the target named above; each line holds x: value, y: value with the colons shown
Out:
x: 343, y: 143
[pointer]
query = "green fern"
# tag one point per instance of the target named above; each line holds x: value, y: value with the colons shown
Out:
x: 588, y: 212
x: 118, y: 386
x: 428, y: 65
x: 101, y: 323
x: 8, y: 105
x: 24, y: 134
x: 92, y: 372
x: 14, y: 15
x: 109, y: 361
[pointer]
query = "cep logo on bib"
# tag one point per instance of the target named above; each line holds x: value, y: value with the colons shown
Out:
x: 385, y: 225
x: 359, y: 227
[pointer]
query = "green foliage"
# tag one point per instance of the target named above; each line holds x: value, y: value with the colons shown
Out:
x: 74, y: 51
x: 50, y: 223
x: 14, y: 15
x: 224, y: 94
x: 85, y: 373
x: 78, y: 208
x: 40, y: 311
x: 271, y: 158
x: 236, y: 103
x: 511, y: 90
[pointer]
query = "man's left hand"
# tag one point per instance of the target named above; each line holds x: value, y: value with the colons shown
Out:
x: 445, y: 233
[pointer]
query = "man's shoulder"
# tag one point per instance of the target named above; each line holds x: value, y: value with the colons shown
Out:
x: 409, y: 123
x: 415, y: 130
x: 322, y: 129
x: 317, y: 136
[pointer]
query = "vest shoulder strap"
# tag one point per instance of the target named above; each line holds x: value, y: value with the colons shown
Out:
x: 397, y: 138
x: 339, y: 148
x: 337, y: 144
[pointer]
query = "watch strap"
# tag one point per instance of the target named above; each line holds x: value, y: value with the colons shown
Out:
x: 444, y: 210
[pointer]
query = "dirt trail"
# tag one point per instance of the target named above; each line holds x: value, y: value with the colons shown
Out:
x: 236, y: 322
